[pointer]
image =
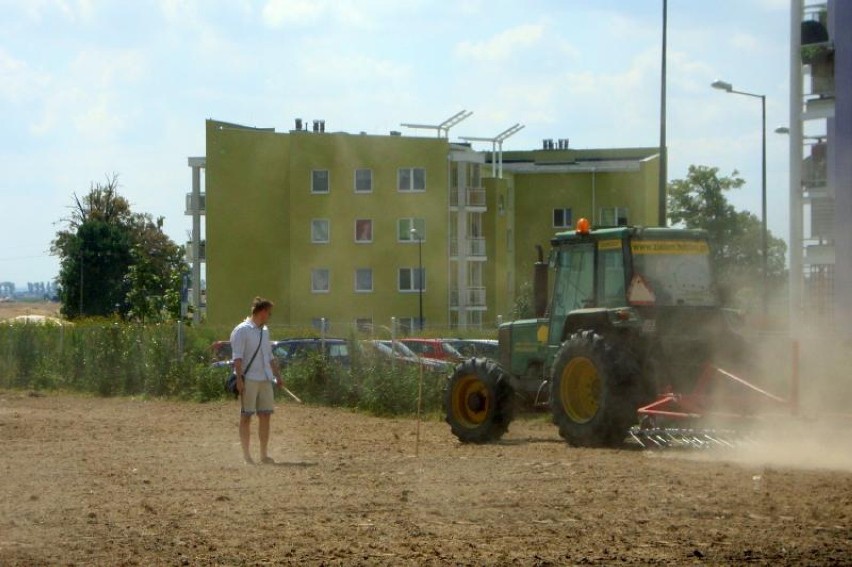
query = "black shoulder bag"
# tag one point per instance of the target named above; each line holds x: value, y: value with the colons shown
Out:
x: 231, y: 382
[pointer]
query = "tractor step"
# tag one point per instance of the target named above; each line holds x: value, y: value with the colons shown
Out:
x: 665, y: 437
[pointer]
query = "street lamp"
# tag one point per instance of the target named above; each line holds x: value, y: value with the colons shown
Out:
x: 420, y: 278
x: 727, y: 87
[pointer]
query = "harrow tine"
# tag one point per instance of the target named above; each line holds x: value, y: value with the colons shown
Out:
x: 662, y: 437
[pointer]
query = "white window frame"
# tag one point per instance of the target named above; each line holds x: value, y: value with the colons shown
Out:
x: 364, y: 324
x: 564, y: 223
x: 315, y: 240
x: 412, y: 278
x: 404, y: 236
x: 355, y: 181
x: 408, y: 325
x: 410, y: 185
x: 360, y: 241
x: 315, y: 272
x: 615, y: 215
x: 314, y: 190
x: 357, y: 270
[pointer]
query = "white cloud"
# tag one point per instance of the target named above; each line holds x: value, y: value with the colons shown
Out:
x: 17, y: 80
x: 351, y: 68
x: 278, y: 13
x: 746, y: 43
x: 346, y: 13
x: 502, y: 45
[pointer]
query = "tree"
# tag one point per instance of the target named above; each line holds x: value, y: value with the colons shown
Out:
x: 114, y: 261
x: 699, y: 201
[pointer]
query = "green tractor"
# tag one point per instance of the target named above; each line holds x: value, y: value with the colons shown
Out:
x: 633, y: 315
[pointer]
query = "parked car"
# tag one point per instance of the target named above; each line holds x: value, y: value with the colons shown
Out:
x: 292, y: 350
x: 397, y: 352
x: 433, y: 348
x: 221, y: 351
x: 484, y: 348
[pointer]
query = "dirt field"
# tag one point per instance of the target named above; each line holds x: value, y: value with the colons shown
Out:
x: 9, y: 309
x: 119, y: 481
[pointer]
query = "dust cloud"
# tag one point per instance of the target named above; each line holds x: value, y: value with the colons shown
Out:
x: 818, y: 436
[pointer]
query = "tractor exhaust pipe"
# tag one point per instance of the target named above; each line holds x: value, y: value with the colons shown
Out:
x: 540, y: 284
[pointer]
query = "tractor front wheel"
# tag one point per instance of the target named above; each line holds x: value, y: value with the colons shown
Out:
x: 478, y: 401
x: 591, y: 391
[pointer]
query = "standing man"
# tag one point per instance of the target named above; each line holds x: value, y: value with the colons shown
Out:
x: 257, y: 371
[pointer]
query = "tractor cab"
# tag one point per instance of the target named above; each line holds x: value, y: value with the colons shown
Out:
x: 620, y: 276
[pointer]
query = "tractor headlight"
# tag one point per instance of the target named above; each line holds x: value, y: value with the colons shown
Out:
x: 624, y: 317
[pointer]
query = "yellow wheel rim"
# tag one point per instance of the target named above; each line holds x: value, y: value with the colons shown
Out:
x: 580, y: 389
x: 471, y: 400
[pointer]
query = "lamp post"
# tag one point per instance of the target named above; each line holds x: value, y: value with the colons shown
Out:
x: 727, y: 87
x: 420, y: 278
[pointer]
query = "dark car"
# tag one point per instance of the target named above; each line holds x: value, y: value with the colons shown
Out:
x: 292, y: 350
x: 482, y: 348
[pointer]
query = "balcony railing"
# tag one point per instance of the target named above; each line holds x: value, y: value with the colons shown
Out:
x: 474, y: 197
x: 202, y: 204
x: 473, y: 246
x: 202, y: 251
x: 475, y: 297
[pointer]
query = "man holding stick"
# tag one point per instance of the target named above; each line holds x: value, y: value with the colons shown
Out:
x: 257, y: 371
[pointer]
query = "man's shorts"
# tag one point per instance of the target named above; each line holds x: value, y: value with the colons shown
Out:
x: 257, y: 397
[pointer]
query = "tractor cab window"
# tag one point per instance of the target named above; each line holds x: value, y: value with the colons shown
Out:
x: 573, y: 287
x: 611, y: 274
x: 675, y: 272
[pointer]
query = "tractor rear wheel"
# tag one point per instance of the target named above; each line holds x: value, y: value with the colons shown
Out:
x: 478, y: 401
x: 592, y: 391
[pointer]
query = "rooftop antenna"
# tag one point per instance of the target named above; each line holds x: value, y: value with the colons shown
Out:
x: 443, y: 129
x: 496, y: 147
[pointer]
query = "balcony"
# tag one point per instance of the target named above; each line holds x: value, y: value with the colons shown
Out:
x: 474, y: 296
x: 474, y: 247
x: 474, y: 198
x: 202, y: 252
x: 814, y: 169
x: 190, y: 209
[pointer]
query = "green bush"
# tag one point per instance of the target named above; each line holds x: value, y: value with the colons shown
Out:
x: 110, y: 358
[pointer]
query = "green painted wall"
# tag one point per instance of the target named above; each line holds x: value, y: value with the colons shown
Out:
x: 260, y: 207
x: 259, y: 212
x: 246, y: 219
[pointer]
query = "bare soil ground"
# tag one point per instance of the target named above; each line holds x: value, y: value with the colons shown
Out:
x: 134, y: 482
x: 9, y: 309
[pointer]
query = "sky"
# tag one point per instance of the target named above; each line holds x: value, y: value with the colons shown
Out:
x: 91, y: 88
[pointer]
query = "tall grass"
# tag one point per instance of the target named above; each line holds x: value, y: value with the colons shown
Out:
x: 108, y: 358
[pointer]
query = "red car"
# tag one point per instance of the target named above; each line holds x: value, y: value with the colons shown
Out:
x: 433, y: 348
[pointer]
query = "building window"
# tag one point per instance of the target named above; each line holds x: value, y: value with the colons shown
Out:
x: 404, y: 227
x: 363, y: 180
x: 364, y: 279
x: 407, y: 325
x: 319, y: 231
x: 320, y: 280
x: 412, y: 279
x: 411, y: 179
x: 319, y: 181
x: 363, y: 230
x: 613, y: 216
x: 320, y: 324
x: 562, y: 218
x: 364, y: 324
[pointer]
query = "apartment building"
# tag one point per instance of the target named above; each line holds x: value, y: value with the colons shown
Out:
x: 356, y: 229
